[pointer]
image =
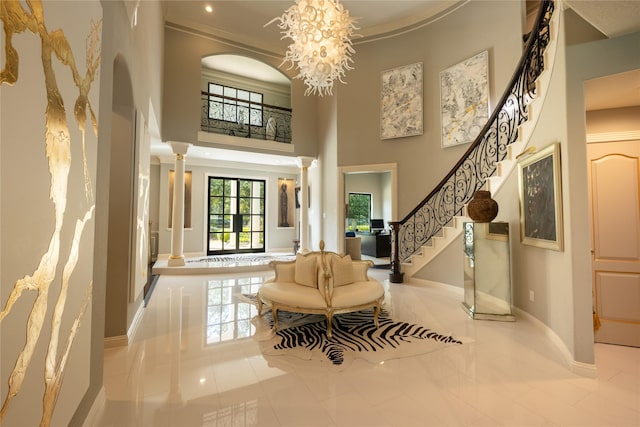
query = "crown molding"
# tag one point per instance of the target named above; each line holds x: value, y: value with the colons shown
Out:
x: 630, y: 135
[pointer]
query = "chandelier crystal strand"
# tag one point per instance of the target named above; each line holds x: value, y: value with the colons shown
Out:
x: 321, y: 32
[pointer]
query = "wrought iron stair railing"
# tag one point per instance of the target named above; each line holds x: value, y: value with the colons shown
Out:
x: 480, y: 161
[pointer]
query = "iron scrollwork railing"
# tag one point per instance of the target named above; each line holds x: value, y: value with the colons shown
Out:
x: 480, y: 161
x: 276, y: 122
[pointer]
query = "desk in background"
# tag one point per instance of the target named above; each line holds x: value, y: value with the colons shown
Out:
x: 376, y: 245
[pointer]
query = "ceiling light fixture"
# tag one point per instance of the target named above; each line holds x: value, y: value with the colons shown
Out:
x: 321, y: 48
x: 208, y: 8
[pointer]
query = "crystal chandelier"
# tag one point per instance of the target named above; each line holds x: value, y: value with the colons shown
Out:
x: 321, y: 32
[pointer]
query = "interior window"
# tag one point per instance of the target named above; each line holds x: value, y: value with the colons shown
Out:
x: 235, y: 105
x: 359, y: 211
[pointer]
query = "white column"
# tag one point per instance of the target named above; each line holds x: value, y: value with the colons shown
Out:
x: 304, y: 163
x: 177, y: 220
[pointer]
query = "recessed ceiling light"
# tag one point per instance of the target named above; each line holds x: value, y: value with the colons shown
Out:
x: 208, y: 8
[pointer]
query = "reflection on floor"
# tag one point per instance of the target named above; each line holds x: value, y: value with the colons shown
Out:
x: 222, y: 263
x: 193, y: 362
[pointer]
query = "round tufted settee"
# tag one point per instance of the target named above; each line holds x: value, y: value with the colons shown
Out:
x: 321, y: 282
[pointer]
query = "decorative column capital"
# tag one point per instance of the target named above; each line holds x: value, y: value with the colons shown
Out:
x: 180, y: 149
x: 305, y: 162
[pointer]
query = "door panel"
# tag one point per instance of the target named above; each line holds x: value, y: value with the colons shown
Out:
x: 619, y: 294
x: 615, y: 208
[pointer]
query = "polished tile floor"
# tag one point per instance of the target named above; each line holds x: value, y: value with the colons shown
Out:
x: 193, y: 362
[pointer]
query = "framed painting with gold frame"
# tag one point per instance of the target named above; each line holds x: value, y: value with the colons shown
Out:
x: 539, y: 178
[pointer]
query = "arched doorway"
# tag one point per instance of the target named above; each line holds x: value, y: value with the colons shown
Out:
x: 120, y: 211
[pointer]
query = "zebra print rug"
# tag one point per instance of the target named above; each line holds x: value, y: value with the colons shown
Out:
x: 354, y: 337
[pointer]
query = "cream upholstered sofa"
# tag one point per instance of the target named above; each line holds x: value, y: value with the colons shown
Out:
x: 321, y: 282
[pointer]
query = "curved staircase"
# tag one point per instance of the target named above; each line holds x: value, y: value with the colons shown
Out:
x: 437, y: 220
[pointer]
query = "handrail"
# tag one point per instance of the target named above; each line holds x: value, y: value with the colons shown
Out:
x: 231, y: 98
x: 276, y: 121
x: 479, y: 162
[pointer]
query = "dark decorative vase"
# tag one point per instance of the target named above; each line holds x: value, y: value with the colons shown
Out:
x: 482, y: 208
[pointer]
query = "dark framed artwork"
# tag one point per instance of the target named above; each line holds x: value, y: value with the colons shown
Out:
x: 497, y: 231
x: 299, y: 197
x: 285, y: 202
x: 541, y: 199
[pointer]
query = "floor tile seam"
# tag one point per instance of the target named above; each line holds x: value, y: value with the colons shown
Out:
x: 342, y: 391
x: 583, y: 394
x: 338, y: 418
x: 614, y: 401
x: 278, y: 410
x: 527, y: 399
x: 458, y: 401
x: 612, y: 417
x: 632, y: 387
x: 498, y: 386
x: 480, y: 410
x: 499, y: 415
x: 394, y: 407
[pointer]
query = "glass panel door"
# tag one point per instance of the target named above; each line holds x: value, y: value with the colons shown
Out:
x: 236, y: 215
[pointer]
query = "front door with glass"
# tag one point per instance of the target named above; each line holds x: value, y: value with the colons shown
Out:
x: 236, y: 215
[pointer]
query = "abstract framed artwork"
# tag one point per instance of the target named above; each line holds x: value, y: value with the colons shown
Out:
x: 401, y: 102
x: 464, y: 100
x: 541, y: 199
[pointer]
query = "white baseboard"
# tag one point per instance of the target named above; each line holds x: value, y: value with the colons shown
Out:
x: 117, y: 341
x: 124, y: 340
x: 187, y: 255
x: 588, y: 370
x: 455, y: 289
x: 131, y: 333
x: 96, y: 409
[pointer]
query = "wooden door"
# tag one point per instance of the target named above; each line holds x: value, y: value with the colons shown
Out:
x: 614, y: 181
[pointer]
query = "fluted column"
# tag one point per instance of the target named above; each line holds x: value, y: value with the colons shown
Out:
x: 304, y: 163
x: 177, y: 220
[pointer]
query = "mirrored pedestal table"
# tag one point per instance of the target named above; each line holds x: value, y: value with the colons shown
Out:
x: 487, y: 271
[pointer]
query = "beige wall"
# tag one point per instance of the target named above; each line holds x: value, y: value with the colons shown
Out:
x: 562, y: 302
x: 43, y: 198
x: 140, y: 50
x: 341, y: 131
x: 323, y: 216
x: 613, y: 120
x: 272, y: 94
x: 182, y: 84
x: 584, y: 62
x: 422, y: 161
x: 277, y: 239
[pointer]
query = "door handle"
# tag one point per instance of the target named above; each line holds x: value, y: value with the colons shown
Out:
x: 237, y: 223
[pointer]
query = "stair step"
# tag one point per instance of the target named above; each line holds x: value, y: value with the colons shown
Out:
x: 503, y: 169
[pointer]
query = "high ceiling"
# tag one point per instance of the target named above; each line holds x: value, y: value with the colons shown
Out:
x: 243, y: 22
